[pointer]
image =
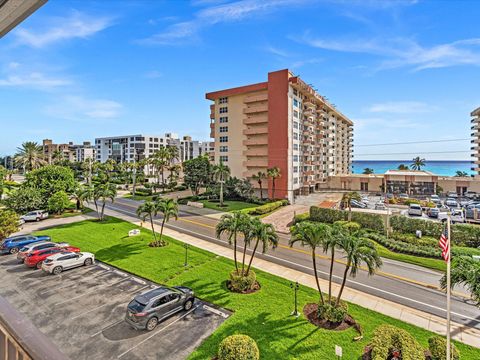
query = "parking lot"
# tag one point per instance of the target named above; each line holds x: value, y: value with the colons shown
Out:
x: 82, y: 311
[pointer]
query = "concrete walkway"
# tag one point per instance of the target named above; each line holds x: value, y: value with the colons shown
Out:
x: 467, y: 335
x: 283, y: 217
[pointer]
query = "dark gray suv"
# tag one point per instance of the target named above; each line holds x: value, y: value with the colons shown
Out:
x: 147, y: 309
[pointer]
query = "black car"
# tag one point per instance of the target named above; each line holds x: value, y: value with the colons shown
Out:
x: 147, y: 309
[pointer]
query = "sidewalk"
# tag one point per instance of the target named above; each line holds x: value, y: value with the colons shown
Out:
x: 409, y: 315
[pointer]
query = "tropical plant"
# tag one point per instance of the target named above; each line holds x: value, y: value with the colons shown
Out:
x: 367, y: 171
x: 313, y: 235
x: 196, y: 173
x: 25, y: 199
x: 58, y: 202
x: 273, y: 173
x: 221, y: 173
x: 259, y: 177
x: 465, y: 271
x: 459, y: 173
x: 347, y: 201
x: 417, y: 163
x: 102, y: 193
x: 168, y: 208
x: 29, y: 156
x: 232, y: 225
x: 331, y: 243
x: 402, y: 167
x: 51, y: 179
x: 57, y: 157
x: 8, y: 223
x: 159, y: 162
x: 262, y: 233
x: 148, y: 209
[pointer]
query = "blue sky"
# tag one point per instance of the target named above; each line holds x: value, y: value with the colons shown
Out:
x: 401, y: 70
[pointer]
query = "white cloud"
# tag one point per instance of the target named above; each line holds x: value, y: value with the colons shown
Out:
x: 34, y: 80
x: 76, y: 25
x: 81, y: 108
x: 405, y: 52
x: 209, y: 16
x: 401, y: 107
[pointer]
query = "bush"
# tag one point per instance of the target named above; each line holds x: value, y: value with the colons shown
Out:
x: 238, y: 347
x: 58, y: 202
x: 387, y: 339
x: 301, y: 217
x: 8, y: 223
x: 143, y: 192
x: 438, y: 348
x: 25, y: 199
x: 331, y: 313
x: 269, y: 207
x: 181, y: 187
x: 242, y: 283
x: 366, y: 220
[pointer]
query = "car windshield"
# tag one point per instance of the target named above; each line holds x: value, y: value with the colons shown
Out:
x: 136, y: 306
x: 24, y: 249
x: 47, y: 261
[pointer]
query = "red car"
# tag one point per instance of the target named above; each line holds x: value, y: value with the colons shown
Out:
x: 35, y: 259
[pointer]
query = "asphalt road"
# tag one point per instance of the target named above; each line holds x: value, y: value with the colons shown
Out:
x: 399, y: 282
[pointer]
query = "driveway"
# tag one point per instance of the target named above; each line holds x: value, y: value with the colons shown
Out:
x: 82, y: 311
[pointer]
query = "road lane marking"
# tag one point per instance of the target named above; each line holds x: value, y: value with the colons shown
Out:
x: 156, y: 332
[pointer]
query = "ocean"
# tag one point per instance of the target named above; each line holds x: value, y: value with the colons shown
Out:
x: 438, y: 167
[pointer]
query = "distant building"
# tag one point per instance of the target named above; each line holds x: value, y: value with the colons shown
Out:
x: 68, y: 151
x: 84, y: 151
x: 475, y: 121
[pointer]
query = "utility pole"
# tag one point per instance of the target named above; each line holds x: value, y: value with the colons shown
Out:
x: 448, y: 287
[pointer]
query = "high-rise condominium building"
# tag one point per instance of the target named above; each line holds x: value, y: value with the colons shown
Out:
x: 475, y: 114
x: 282, y: 123
x: 70, y: 151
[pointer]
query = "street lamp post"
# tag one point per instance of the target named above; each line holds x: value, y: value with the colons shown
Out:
x: 186, y: 246
x: 295, y: 288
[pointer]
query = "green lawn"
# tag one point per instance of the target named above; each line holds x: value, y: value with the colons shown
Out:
x: 139, y: 197
x: 230, y: 205
x: 263, y: 315
x: 70, y: 213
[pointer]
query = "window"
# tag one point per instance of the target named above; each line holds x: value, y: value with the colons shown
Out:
x: 223, y: 110
x: 223, y: 158
x: 223, y: 129
x: 295, y: 92
x: 223, y: 148
x: 295, y: 125
x: 295, y: 158
x: 295, y: 136
x: 295, y: 147
x: 295, y: 113
x: 295, y: 102
x: 295, y: 169
x: 223, y: 100
x: 295, y: 180
x: 223, y: 119
x: 163, y: 300
x: 223, y: 139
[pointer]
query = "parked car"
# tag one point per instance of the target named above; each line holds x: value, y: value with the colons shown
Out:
x: 435, y: 199
x: 20, y: 222
x: 452, y: 194
x: 380, y: 206
x: 57, y: 263
x: 456, y: 216
x: 358, y: 204
x: 22, y: 254
x: 403, y: 196
x: 433, y: 212
x: 36, y: 258
x: 147, y: 309
x: 415, y: 210
x: 35, y: 215
x: 13, y: 244
x: 451, y: 202
x: 471, y: 194
x: 389, y: 196
x: 470, y: 210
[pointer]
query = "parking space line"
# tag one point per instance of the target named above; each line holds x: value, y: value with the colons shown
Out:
x: 215, y: 311
x: 74, y: 283
x: 107, y: 327
x: 156, y: 332
x: 88, y: 292
x: 98, y: 307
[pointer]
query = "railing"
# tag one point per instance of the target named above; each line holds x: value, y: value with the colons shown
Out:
x: 21, y: 340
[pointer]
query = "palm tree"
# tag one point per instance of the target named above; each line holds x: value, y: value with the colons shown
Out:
x: 259, y: 177
x: 357, y: 250
x: 172, y: 154
x: 331, y: 242
x: 168, y: 208
x: 57, y: 157
x: 313, y: 235
x: 148, y: 209
x: 465, y: 271
x: 76, y: 195
x: 417, y: 163
x: 264, y: 233
x: 402, y: 167
x: 29, y: 156
x: 273, y: 173
x: 347, y: 201
x: 221, y: 173
x: 159, y: 161
x: 461, y: 174
x: 232, y: 224
x: 367, y: 171
x: 104, y: 192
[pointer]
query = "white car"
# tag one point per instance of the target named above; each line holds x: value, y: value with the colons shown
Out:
x: 456, y: 216
x: 35, y: 215
x: 27, y: 249
x: 57, y: 263
x: 380, y: 206
x: 435, y: 199
x: 451, y: 202
x: 415, y: 209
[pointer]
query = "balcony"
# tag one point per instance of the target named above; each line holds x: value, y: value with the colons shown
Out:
x: 261, y: 119
x: 257, y: 141
x: 258, y: 151
x: 256, y: 130
x: 256, y: 98
x: 256, y: 163
x: 212, y: 130
x: 256, y: 109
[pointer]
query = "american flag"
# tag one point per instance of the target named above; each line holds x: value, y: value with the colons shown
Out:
x: 444, y: 243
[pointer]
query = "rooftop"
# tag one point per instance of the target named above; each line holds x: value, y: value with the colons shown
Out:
x: 409, y: 173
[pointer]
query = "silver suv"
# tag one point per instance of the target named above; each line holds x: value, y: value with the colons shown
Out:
x: 147, y: 309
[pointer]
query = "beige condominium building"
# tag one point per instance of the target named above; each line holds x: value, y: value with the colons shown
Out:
x: 475, y: 114
x: 282, y: 123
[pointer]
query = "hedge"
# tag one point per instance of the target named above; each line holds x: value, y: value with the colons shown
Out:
x: 269, y: 207
x: 438, y: 349
x: 388, y: 337
x: 366, y: 220
x: 462, y: 234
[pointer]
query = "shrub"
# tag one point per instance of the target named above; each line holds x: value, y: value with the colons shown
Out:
x: 58, y: 202
x: 25, y: 199
x: 301, y: 217
x: 366, y: 220
x: 388, y: 338
x: 350, y: 226
x: 269, y: 207
x: 240, y: 282
x: 438, y: 348
x: 331, y: 313
x: 238, y: 347
x: 8, y: 223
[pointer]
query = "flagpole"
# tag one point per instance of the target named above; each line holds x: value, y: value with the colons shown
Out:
x: 448, y: 288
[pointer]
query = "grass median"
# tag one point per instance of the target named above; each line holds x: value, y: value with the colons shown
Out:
x: 229, y: 205
x: 263, y: 315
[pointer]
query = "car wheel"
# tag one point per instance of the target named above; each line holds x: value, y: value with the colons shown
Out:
x: 14, y: 250
x: 88, y: 262
x: 151, y: 324
x: 57, y: 270
x: 39, y: 264
x: 188, y: 305
x: 37, y: 219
